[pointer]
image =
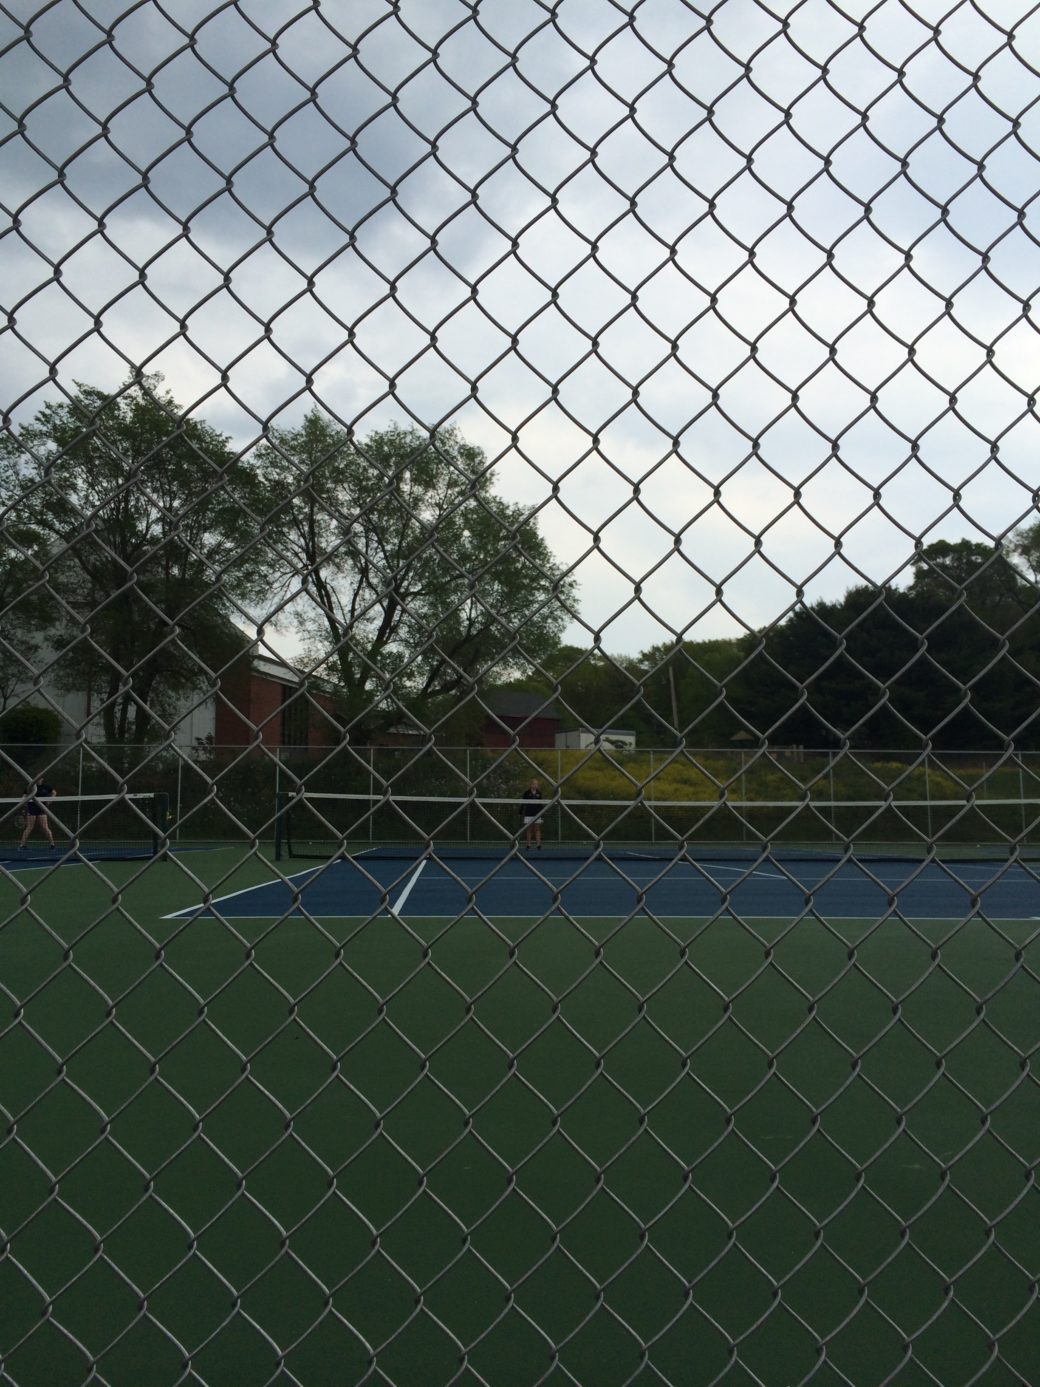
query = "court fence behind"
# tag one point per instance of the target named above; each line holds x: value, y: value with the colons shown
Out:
x: 229, y: 793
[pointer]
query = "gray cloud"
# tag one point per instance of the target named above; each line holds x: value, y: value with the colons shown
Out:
x: 760, y: 284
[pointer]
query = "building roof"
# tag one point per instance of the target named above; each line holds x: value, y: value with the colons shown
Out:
x: 271, y: 668
x: 516, y: 703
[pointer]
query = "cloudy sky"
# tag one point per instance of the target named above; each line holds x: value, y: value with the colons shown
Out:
x: 740, y: 300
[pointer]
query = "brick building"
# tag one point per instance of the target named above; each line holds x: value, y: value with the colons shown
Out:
x: 532, y: 718
x: 266, y: 694
x: 256, y: 692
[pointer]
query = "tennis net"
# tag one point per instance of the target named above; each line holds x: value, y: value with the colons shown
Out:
x: 324, y: 825
x: 120, y: 826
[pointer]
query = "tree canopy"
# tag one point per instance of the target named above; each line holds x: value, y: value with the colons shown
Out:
x: 410, y: 578
x: 141, y: 535
x: 135, y: 539
x: 136, y: 525
x: 954, y: 657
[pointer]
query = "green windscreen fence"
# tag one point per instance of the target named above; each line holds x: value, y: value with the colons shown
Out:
x: 519, y: 686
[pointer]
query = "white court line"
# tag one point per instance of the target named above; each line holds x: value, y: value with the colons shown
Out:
x: 191, y: 910
x: 395, y: 909
x: 11, y: 868
x: 398, y: 905
x: 654, y: 914
x: 705, y: 869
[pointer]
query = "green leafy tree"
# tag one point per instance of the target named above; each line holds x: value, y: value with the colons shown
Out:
x: 953, y: 658
x: 29, y: 725
x: 144, y: 523
x: 26, y: 608
x: 979, y: 615
x: 26, y: 731
x: 410, y: 578
x: 823, y: 674
x: 595, y: 690
x: 687, y: 686
x: 1025, y: 547
x: 979, y: 577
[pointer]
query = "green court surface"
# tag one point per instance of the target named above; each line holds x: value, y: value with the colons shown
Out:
x: 506, y: 1152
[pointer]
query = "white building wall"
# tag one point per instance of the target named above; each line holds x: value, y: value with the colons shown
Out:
x: 196, y: 721
x: 610, y: 738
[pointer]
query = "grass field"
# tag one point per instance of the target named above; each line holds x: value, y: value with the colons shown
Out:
x: 510, y: 1151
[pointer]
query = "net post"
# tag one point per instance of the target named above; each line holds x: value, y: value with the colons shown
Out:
x: 282, y: 841
x: 1022, y: 795
x: 928, y: 796
x: 160, y: 823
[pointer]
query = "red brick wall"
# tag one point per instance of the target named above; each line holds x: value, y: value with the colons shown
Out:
x: 324, y: 731
x: 540, y: 732
x: 230, y: 726
x: 254, y: 699
x: 258, y: 699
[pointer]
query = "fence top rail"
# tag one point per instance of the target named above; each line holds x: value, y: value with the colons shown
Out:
x: 391, y: 799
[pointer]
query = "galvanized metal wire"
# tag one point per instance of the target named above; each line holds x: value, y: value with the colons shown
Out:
x: 735, y: 306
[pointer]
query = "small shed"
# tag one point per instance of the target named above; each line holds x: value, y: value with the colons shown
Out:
x: 532, y: 718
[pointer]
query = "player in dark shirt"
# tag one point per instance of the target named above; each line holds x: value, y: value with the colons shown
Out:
x: 531, y: 809
x: 36, y: 814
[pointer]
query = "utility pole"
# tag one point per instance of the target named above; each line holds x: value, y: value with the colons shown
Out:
x: 675, y: 701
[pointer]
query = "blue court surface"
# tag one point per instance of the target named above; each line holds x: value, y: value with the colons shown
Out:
x: 524, y: 888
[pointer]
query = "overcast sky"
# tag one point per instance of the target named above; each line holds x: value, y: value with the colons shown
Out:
x: 740, y: 301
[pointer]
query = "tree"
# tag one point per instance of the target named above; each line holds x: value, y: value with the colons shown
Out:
x: 26, y: 609
x: 687, y: 685
x: 979, y: 616
x: 29, y: 725
x: 1025, y: 547
x: 411, y: 579
x: 953, y: 658
x: 824, y: 673
x: 26, y: 732
x: 144, y: 523
x: 592, y: 689
x: 978, y: 576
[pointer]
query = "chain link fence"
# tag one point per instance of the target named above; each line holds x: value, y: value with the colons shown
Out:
x: 425, y: 398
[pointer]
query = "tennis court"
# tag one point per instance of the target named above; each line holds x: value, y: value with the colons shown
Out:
x: 423, y: 1111
x: 537, y: 884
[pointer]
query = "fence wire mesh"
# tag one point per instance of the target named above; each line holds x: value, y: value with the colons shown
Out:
x: 421, y: 399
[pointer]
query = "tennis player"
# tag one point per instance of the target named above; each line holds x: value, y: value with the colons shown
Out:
x: 35, y: 811
x: 531, y: 809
